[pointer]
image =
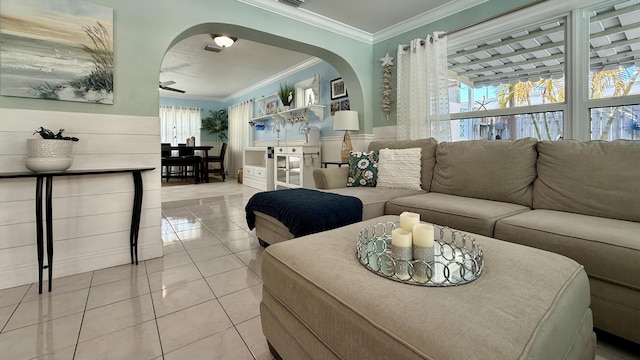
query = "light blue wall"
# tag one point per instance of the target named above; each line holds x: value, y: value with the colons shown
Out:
x: 325, y: 72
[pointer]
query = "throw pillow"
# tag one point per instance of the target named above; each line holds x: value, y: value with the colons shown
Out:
x: 363, y: 169
x: 400, y: 168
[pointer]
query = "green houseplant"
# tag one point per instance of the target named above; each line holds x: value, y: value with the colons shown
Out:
x: 217, y: 123
x: 50, y: 153
x: 286, y: 94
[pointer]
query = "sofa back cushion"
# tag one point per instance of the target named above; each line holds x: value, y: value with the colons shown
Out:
x: 499, y: 170
x: 598, y: 178
x: 428, y: 156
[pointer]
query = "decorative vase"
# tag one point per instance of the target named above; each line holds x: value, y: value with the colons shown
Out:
x: 285, y: 108
x: 47, y: 155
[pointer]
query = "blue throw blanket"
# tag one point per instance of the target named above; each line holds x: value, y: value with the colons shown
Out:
x: 305, y: 211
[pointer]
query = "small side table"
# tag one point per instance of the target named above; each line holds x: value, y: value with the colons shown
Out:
x: 47, y: 177
x: 339, y: 163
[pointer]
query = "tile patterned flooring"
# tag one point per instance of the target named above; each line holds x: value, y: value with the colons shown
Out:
x: 199, y: 301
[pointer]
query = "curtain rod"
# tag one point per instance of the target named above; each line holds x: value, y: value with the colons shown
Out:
x: 422, y: 42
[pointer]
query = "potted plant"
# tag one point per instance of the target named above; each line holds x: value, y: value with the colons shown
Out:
x: 286, y: 94
x: 50, y: 153
x: 217, y: 123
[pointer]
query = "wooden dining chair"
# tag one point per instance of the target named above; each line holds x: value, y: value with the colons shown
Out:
x: 219, y: 160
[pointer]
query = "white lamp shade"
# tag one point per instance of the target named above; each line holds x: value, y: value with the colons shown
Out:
x: 223, y: 41
x: 346, y: 120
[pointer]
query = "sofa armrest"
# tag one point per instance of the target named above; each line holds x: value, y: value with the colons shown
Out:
x: 331, y: 178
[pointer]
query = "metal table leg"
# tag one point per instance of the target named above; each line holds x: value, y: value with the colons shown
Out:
x: 135, y: 216
x: 49, y: 212
x: 39, y: 230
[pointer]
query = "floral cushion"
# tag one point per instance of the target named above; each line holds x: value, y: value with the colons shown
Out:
x: 363, y: 169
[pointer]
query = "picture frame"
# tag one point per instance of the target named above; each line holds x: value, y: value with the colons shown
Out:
x: 271, y: 107
x: 335, y: 106
x: 345, y: 105
x: 338, y: 89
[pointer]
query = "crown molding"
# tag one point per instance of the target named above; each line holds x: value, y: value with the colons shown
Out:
x: 311, y: 18
x: 426, y: 17
x: 277, y: 77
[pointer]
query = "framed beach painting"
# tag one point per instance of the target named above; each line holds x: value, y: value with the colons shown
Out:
x: 56, y: 49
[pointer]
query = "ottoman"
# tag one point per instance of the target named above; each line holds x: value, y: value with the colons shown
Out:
x: 319, y: 302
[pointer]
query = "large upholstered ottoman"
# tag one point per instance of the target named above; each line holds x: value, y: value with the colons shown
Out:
x: 319, y: 302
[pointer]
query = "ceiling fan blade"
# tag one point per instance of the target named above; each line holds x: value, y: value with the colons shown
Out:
x: 171, y: 89
x: 167, y: 83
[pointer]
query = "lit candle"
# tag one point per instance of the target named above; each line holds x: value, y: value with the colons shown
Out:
x: 408, y: 219
x: 423, y: 235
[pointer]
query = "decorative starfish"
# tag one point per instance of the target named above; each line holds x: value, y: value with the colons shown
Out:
x: 387, y: 60
x: 482, y: 103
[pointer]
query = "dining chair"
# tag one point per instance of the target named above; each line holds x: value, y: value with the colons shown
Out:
x: 219, y: 160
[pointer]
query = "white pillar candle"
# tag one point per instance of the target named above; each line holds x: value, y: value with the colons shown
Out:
x: 423, y: 235
x: 408, y: 219
x: 401, y: 238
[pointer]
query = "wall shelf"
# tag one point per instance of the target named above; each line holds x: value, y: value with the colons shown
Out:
x: 317, y: 110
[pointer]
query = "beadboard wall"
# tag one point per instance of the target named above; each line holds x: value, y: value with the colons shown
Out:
x: 91, y: 213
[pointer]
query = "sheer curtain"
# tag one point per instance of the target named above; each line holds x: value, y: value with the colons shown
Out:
x: 423, y: 89
x: 179, y: 123
x: 239, y: 134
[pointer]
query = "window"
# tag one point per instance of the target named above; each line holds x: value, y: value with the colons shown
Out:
x: 179, y: 123
x: 514, y: 79
x: 613, y: 70
x: 520, y: 69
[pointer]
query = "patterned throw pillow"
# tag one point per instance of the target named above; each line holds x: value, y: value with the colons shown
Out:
x: 363, y: 169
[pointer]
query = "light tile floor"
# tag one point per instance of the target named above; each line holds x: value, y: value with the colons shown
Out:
x: 199, y: 301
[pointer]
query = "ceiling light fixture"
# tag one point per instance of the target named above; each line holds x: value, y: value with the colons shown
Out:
x: 223, y: 40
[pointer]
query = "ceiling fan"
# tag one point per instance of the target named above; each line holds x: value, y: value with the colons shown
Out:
x: 164, y: 85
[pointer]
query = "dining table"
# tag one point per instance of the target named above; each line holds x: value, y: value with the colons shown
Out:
x: 205, y: 158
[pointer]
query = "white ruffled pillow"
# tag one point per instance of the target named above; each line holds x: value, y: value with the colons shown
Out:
x: 400, y: 168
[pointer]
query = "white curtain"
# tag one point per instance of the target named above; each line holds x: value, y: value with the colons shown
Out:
x: 239, y: 134
x: 179, y: 123
x: 423, y: 89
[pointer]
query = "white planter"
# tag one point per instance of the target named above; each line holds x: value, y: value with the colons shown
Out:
x: 47, y: 155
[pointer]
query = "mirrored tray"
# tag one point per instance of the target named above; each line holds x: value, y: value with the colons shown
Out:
x: 457, y: 257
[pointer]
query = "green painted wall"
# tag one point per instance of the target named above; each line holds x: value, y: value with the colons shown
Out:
x: 145, y: 29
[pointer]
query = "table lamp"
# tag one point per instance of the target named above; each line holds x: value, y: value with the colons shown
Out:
x: 346, y: 120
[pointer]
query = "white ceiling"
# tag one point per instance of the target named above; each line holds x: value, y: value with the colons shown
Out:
x: 217, y: 76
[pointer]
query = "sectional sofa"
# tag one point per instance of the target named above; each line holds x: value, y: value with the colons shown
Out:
x: 578, y: 199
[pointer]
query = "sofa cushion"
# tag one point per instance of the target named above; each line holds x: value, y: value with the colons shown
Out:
x: 609, y: 249
x: 363, y: 169
x: 501, y: 170
x: 374, y: 199
x: 428, y: 155
x: 598, y: 178
x: 400, y: 168
x: 468, y: 214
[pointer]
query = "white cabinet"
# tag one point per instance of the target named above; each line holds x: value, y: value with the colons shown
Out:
x: 294, y: 166
x: 258, y: 167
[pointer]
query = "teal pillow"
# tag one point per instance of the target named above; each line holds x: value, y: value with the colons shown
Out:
x: 363, y: 169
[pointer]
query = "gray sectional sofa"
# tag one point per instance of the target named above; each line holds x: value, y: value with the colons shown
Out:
x: 578, y: 199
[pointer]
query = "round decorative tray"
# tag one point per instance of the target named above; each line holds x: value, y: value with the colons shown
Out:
x: 457, y: 257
